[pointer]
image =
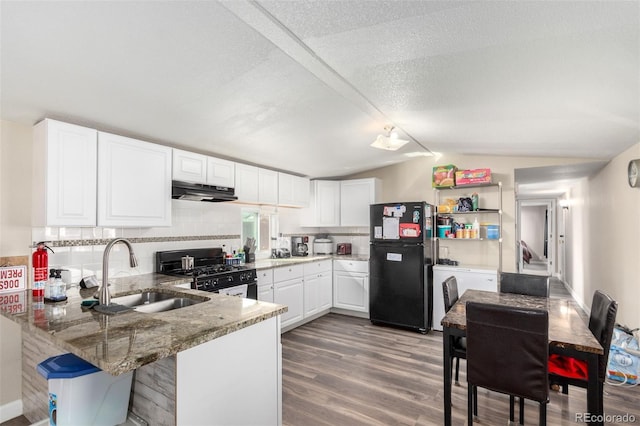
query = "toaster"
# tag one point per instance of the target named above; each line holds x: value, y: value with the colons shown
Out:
x: 344, y: 248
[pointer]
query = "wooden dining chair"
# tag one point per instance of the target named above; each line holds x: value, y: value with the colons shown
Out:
x: 565, y: 371
x: 507, y: 352
x: 459, y: 349
x: 527, y: 284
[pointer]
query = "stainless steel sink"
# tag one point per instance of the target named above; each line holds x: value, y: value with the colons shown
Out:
x: 143, y: 298
x: 150, y: 301
x: 167, y: 305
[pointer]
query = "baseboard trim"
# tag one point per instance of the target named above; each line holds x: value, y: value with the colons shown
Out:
x: 10, y: 410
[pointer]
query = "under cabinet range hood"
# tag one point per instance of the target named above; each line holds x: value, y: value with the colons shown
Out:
x: 201, y: 192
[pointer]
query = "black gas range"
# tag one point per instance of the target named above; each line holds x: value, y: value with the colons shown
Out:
x: 210, y: 272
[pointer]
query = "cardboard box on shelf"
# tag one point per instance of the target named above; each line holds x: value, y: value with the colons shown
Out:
x: 444, y: 176
x: 473, y: 177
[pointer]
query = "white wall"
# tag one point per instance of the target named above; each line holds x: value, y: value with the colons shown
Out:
x: 606, y: 219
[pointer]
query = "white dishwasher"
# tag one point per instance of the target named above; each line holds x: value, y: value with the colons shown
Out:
x: 476, y: 278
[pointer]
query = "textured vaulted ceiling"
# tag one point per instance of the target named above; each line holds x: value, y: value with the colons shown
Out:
x: 305, y: 86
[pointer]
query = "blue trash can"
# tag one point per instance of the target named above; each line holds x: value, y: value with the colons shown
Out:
x: 82, y: 394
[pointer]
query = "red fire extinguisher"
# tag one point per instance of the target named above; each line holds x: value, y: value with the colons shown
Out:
x: 40, y: 262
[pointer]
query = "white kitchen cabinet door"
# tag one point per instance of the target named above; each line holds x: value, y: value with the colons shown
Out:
x: 267, y: 186
x: 318, y: 293
x: 285, y: 189
x: 467, y: 278
x: 64, y: 174
x: 221, y: 172
x: 300, y: 191
x: 293, y: 191
x: 265, y: 285
x: 325, y: 291
x: 134, y: 182
x: 355, y: 198
x: 246, y: 183
x: 290, y: 293
x: 351, y: 291
x: 311, y: 294
x: 324, y: 205
x: 189, y: 166
x: 318, y: 287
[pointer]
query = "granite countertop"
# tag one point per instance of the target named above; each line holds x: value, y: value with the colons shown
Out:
x: 295, y: 260
x: 123, y: 342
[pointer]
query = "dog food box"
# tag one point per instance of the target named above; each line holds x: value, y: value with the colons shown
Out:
x: 444, y: 176
x: 473, y: 177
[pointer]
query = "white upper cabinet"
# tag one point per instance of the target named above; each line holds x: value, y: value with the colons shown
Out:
x: 267, y: 186
x: 198, y: 168
x: 221, y: 172
x: 293, y: 191
x: 134, y: 182
x: 256, y: 185
x: 189, y: 166
x: 324, y: 205
x: 64, y: 174
x: 246, y: 183
x: 355, y: 198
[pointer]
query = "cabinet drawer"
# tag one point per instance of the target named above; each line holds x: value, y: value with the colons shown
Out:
x: 265, y: 276
x: 287, y: 273
x: 351, y: 265
x: 317, y: 267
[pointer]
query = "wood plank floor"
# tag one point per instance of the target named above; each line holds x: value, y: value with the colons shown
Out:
x: 340, y: 370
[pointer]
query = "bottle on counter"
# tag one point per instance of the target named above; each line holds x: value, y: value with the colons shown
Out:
x: 57, y: 288
x: 49, y: 286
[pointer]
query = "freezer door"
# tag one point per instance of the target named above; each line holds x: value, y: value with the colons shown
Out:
x: 398, y: 286
x: 408, y: 222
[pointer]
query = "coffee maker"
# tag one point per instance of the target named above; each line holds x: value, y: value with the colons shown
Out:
x: 299, y: 246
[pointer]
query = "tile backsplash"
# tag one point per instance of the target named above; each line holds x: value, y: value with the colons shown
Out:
x: 195, y: 225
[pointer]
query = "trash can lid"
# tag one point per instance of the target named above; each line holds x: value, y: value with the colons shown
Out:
x: 66, y: 366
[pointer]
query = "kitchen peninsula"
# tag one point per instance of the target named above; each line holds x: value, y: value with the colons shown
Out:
x: 201, y: 364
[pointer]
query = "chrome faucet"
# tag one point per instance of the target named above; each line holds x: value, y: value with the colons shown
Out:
x: 104, y: 297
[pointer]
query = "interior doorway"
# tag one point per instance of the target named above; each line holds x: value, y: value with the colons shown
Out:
x: 536, y: 233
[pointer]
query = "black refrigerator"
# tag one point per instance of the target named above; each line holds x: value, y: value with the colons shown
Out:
x: 400, y: 265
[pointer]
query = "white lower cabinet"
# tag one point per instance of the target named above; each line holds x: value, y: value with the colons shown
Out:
x: 318, y: 289
x: 351, y: 285
x: 288, y: 289
x: 467, y: 278
x: 265, y: 285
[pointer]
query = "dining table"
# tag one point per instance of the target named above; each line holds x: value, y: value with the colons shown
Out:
x: 569, y: 335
